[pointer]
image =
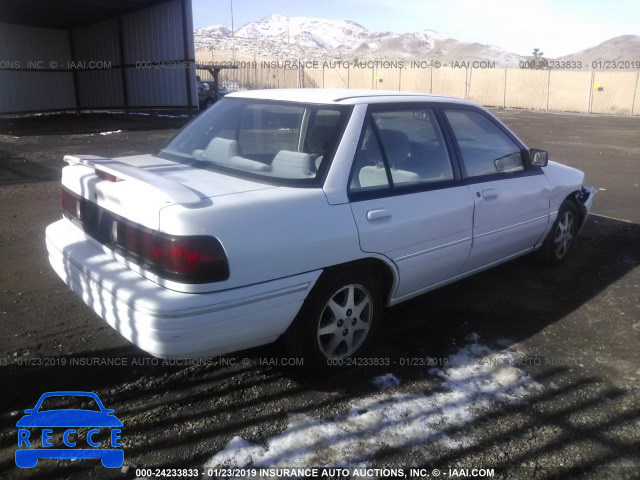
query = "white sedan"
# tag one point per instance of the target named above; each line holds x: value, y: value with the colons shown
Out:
x: 301, y: 214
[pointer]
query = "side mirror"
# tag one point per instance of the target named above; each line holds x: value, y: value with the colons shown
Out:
x: 538, y: 158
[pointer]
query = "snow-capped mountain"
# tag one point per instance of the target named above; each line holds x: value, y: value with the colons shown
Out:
x: 308, y: 32
x: 301, y: 37
x: 214, y: 31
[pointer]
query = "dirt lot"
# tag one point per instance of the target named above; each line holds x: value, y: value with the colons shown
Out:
x: 575, y: 330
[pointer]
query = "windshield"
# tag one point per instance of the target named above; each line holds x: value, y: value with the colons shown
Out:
x: 279, y: 142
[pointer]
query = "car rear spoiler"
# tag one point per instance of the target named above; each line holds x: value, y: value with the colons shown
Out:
x: 173, y: 191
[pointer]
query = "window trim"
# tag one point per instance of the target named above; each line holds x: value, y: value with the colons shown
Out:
x: 383, y: 151
x: 379, y: 192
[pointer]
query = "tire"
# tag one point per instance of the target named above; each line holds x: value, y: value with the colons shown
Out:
x: 210, y: 101
x: 557, y: 245
x: 338, y: 321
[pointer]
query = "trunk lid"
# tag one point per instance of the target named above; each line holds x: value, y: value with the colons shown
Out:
x: 146, y: 184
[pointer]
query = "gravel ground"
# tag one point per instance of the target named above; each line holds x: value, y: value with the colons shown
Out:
x: 576, y: 331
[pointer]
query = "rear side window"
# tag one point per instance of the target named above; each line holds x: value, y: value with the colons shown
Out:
x: 485, y: 148
x: 403, y: 146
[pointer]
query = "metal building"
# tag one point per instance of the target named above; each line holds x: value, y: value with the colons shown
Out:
x: 96, y: 54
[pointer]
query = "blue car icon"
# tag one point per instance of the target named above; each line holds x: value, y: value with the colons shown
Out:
x: 79, y: 429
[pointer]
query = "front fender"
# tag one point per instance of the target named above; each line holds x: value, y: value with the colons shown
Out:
x: 563, y: 181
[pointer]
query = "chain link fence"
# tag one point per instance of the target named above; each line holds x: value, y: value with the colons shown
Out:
x: 596, y: 91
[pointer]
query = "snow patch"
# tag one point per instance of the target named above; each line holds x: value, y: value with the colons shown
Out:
x: 474, y: 378
x: 239, y: 452
x: 472, y: 337
x: 111, y: 133
x: 388, y: 380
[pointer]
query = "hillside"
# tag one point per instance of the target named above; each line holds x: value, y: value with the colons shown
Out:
x: 301, y: 37
x: 625, y: 47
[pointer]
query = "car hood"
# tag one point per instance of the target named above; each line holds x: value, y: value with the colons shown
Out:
x: 69, y: 418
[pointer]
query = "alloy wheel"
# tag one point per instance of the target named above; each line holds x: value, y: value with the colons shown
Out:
x: 345, y: 321
x: 564, y: 234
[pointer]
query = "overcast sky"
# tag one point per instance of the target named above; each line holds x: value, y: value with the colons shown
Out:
x: 558, y: 27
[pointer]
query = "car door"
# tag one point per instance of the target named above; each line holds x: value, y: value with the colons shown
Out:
x: 408, y: 200
x: 511, y: 199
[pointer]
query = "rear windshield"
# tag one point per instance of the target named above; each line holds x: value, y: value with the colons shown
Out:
x: 278, y: 142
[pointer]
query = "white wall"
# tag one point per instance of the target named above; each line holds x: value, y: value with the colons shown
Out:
x: 26, y: 82
x: 154, y: 34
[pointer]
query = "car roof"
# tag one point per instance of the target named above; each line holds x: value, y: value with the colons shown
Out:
x: 344, y: 96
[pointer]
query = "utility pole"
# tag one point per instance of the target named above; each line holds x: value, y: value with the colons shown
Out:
x: 233, y: 35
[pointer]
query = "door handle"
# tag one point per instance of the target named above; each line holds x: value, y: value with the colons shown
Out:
x: 489, y: 193
x: 378, y: 214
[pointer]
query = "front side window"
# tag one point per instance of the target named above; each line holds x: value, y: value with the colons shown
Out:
x: 405, y: 147
x: 485, y: 148
x: 257, y: 138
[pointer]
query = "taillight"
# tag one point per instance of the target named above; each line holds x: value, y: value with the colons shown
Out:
x: 70, y: 203
x: 105, y: 176
x: 187, y: 259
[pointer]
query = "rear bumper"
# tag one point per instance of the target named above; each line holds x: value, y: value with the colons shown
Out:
x: 169, y: 324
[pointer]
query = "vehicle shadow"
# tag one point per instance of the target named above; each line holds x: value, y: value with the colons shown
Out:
x: 581, y: 418
x: 18, y: 170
